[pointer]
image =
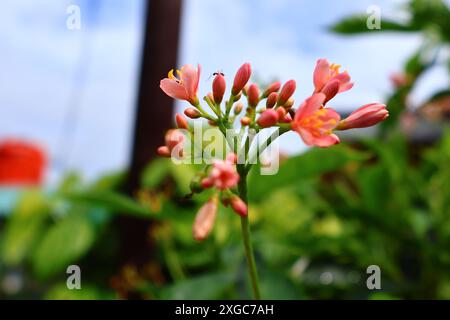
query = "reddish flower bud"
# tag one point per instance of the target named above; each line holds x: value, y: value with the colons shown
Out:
x: 271, y: 100
x: 241, y: 78
x: 192, y: 113
x: 181, y: 121
x: 239, y: 206
x: 286, y: 92
x: 204, y: 220
x: 245, y: 121
x: 173, y: 137
x: 238, y: 108
x: 268, y: 118
x: 274, y: 87
x: 253, y: 95
x: 331, y: 89
x: 281, y: 113
x: 218, y: 88
x: 164, y: 151
x: 365, y: 116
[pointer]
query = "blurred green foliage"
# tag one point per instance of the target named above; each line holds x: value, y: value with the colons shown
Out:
x: 317, y: 225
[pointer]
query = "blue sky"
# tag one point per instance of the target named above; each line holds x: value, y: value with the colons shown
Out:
x: 41, y: 79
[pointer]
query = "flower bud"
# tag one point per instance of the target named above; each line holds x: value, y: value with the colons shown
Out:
x: 192, y: 113
x: 218, y: 88
x: 365, y: 116
x: 237, y: 97
x: 245, y: 121
x: 253, y: 95
x: 241, y: 78
x: 288, y: 104
x: 207, y: 183
x: 286, y: 92
x: 209, y: 98
x: 173, y: 137
x: 330, y: 90
x: 281, y: 112
x: 274, y: 87
x: 268, y: 118
x: 238, y: 108
x: 164, y: 151
x: 271, y: 100
x: 181, y: 122
x: 238, y: 206
x: 204, y: 220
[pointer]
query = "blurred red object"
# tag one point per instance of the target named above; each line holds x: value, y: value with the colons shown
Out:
x: 21, y: 163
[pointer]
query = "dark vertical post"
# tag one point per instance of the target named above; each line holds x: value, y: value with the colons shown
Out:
x: 153, y: 116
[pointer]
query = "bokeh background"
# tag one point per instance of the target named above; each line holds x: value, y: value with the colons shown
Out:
x: 70, y: 103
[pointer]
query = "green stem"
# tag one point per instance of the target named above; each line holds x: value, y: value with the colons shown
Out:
x: 247, y: 241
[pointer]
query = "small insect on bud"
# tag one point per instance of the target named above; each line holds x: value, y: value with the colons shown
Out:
x: 212, y: 123
x: 181, y: 122
x: 238, y: 108
x: 268, y: 118
x: 241, y: 78
x: 245, y: 121
x: 288, y: 104
x: 204, y: 220
x: 239, y: 206
x: 274, y: 87
x: 271, y: 100
x: 192, y: 113
x: 218, y: 87
x: 253, y: 95
x: 286, y: 92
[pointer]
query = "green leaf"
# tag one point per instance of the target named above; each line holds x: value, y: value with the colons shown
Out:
x: 155, y: 172
x: 208, y: 286
x: 358, y: 24
x: 64, y: 244
x: 24, y: 227
x: 311, y: 164
x: 110, y: 200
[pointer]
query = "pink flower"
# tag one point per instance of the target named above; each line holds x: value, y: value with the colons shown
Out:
x: 314, y: 123
x: 366, y: 116
x: 204, y: 220
x: 223, y: 175
x: 399, y: 79
x: 185, y: 86
x: 326, y: 72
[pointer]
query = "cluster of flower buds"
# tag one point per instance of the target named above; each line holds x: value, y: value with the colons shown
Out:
x: 223, y: 178
x: 313, y: 120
